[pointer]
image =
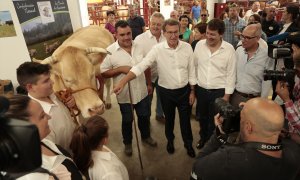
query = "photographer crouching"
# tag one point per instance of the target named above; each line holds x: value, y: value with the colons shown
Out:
x: 260, y: 155
x: 292, y: 107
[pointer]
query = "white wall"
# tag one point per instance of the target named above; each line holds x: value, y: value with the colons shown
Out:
x: 166, y: 10
x: 13, y: 50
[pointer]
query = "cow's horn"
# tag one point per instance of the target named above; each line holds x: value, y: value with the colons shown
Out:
x: 96, y: 50
x: 49, y: 60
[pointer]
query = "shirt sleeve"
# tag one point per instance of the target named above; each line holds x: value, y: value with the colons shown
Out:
x: 191, y: 68
x: 231, y: 73
x: 112, y: 176
x: 145, y: 63
x: 293, y: 114
x: 106, y: 64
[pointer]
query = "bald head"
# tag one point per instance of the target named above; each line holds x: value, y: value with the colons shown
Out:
x: 265, y: 116
x: 254, y: 29
x: 174, y: 14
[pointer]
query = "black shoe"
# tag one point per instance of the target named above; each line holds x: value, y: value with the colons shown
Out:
x: 190, y: 151
x: 170, y: 147
x: 200, y: 144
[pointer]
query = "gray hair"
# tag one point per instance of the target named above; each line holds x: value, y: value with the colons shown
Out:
x: 157, y: 15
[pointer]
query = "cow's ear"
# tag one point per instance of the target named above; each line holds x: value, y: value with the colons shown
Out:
x: 96, y: 58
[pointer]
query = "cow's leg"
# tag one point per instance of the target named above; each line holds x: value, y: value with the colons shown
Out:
x: 108, y: 99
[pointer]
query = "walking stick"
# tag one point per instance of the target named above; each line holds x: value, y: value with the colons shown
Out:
x: 134, y: 124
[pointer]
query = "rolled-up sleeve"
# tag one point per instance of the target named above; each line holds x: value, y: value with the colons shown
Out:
x: 192, y: 69
x: 145, y: 63
x: 231, y: 73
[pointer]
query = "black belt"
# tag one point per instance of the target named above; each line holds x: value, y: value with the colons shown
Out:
x: 247, y: 95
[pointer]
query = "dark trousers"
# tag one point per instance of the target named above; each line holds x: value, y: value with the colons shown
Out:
x: 142, y: 110
x: 205, y: 101
x: 159, y: 111
x: 170, y: 99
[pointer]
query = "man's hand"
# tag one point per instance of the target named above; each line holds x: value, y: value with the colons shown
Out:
x: 118, y: 88
x: 283, y: 91
x: 218, y: 120
x: 192, y: 97
x: 150, y: 89
x: 226, y: 97
x: 124, y: 69
x: 70, y: 102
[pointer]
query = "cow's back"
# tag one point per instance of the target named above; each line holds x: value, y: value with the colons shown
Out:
x: 90, y: 36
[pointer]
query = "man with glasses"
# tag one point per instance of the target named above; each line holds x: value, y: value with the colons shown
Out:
x: 252, y: 61
x: 204, y: 16
x: 215, y: 62
x: 176, y: 71
x: 233, y: 25
x: 146, y: 41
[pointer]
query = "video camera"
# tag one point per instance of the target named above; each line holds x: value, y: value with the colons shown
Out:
x: 283, y: 51
x: 20, y: 151
x: 230, y: 114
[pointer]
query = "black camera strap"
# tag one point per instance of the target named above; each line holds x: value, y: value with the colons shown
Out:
x: 262, y: 146
x: 222, y: 138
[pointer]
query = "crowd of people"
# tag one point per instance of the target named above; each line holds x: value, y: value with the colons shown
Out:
x: 185, y: 59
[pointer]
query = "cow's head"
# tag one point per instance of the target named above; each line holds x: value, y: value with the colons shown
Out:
x: 76, y: 68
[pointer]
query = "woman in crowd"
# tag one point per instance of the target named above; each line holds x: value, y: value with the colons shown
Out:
x: 199, y: 33
x: 92, y: 156
x: 224, y: 16
x: 185, y: 32
x: 110, y: 25
x: 54, y: 158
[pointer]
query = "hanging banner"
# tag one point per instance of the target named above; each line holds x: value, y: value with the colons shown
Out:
x: 45, y: 25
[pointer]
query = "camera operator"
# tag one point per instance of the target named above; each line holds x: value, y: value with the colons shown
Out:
x: 261, y: 155
x: 292, y: 108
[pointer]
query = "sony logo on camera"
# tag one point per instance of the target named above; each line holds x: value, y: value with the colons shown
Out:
x: 270, y: 147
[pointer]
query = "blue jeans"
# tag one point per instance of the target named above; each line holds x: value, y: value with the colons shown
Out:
x: 159, y: 110
x: 142, y: 110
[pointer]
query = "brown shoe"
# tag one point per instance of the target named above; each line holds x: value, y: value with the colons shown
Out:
x: 151, y: 142
x: 161, y: 119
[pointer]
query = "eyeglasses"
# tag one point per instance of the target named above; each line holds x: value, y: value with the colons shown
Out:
x: 175, y: 33
x: 247, y: 37
x: 203, y: 15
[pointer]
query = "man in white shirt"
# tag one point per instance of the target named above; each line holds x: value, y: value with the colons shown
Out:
x: 215, y: 62
x: 124, y: 54
x: 146, y: 41
x: 252, y: 61
x: 35, y: 78
x: 175, y: 67
x: 254, y: 10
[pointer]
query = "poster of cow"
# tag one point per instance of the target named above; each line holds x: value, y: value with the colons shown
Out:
x: 7, y: 28
x: 45, y: 25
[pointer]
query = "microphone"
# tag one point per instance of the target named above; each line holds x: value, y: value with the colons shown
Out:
x: 4, y: 105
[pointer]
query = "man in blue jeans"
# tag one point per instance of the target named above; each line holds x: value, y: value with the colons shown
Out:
x: 124, y: 54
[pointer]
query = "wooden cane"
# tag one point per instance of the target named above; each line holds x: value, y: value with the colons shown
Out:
x: 134, y: 124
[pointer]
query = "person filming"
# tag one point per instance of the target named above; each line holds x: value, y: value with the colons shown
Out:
x: 292, y: 107
x: 260, y: 155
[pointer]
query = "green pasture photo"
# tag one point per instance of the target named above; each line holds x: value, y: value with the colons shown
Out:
x: 7, y: 30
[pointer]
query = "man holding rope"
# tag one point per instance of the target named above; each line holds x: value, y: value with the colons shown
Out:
x: 124, y: 54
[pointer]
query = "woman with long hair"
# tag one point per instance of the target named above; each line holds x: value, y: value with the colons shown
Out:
x: 55, y: 159
x: 92, y: 156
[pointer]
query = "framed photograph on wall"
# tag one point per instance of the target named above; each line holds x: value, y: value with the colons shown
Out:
x: 7, y: 28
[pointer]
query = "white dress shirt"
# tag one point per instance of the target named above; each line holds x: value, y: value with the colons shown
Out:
x: 51, y: 163
x: 146, y: 40
x: 175, y: 67
x: 217, y: 70
x: 61, y: 123
x: 107, y: 166
x: 119, y: 57
x: 250, y: 72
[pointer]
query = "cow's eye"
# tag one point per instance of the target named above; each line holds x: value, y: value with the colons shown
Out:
x: 68, y: 80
